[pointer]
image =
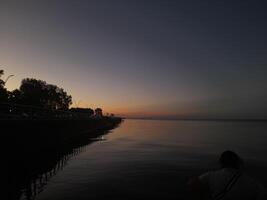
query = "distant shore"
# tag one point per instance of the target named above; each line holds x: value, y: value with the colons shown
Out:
x: 196, y: 119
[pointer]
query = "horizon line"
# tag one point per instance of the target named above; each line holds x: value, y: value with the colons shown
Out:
x: 199, y: 119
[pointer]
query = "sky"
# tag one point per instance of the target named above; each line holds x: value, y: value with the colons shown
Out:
x: 150, y: 58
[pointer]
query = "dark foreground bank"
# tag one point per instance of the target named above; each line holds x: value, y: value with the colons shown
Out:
x: 52, y: 134
x: 37, y: 149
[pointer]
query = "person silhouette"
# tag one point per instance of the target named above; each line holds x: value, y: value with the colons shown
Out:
x: 228, y: 183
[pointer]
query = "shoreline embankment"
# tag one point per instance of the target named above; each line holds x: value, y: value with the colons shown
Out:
x: 36, y: 148
x: 35, y: 135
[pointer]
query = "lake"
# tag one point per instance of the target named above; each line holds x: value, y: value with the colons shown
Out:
x: 152, y: 159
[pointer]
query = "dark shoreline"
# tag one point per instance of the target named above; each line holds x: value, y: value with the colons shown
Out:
x: 47, y: 134
x: 38, y: 149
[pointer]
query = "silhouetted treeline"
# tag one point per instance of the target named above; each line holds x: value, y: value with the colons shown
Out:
x: 3, y: 90
x: 44, y: 101
x: 36, y: 93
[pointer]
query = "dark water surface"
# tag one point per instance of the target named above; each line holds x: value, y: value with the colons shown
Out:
x: 152, y: 159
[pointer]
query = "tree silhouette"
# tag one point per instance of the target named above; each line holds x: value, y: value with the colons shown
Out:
x: 38, y: 93
x: 3, y: 90
x: 15, y: 96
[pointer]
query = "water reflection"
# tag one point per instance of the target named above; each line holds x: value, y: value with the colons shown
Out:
x: 37, y: 184
x: 34, y: 172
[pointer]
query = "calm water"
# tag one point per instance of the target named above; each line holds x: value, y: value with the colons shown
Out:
x: 153, y: 159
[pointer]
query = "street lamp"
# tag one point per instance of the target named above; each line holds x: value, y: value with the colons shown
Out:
x: 8, y: 77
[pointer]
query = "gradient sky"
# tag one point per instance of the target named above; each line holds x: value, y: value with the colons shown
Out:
x: 167, y: 58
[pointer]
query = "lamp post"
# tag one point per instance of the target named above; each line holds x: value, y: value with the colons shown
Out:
x: 8, y: 77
